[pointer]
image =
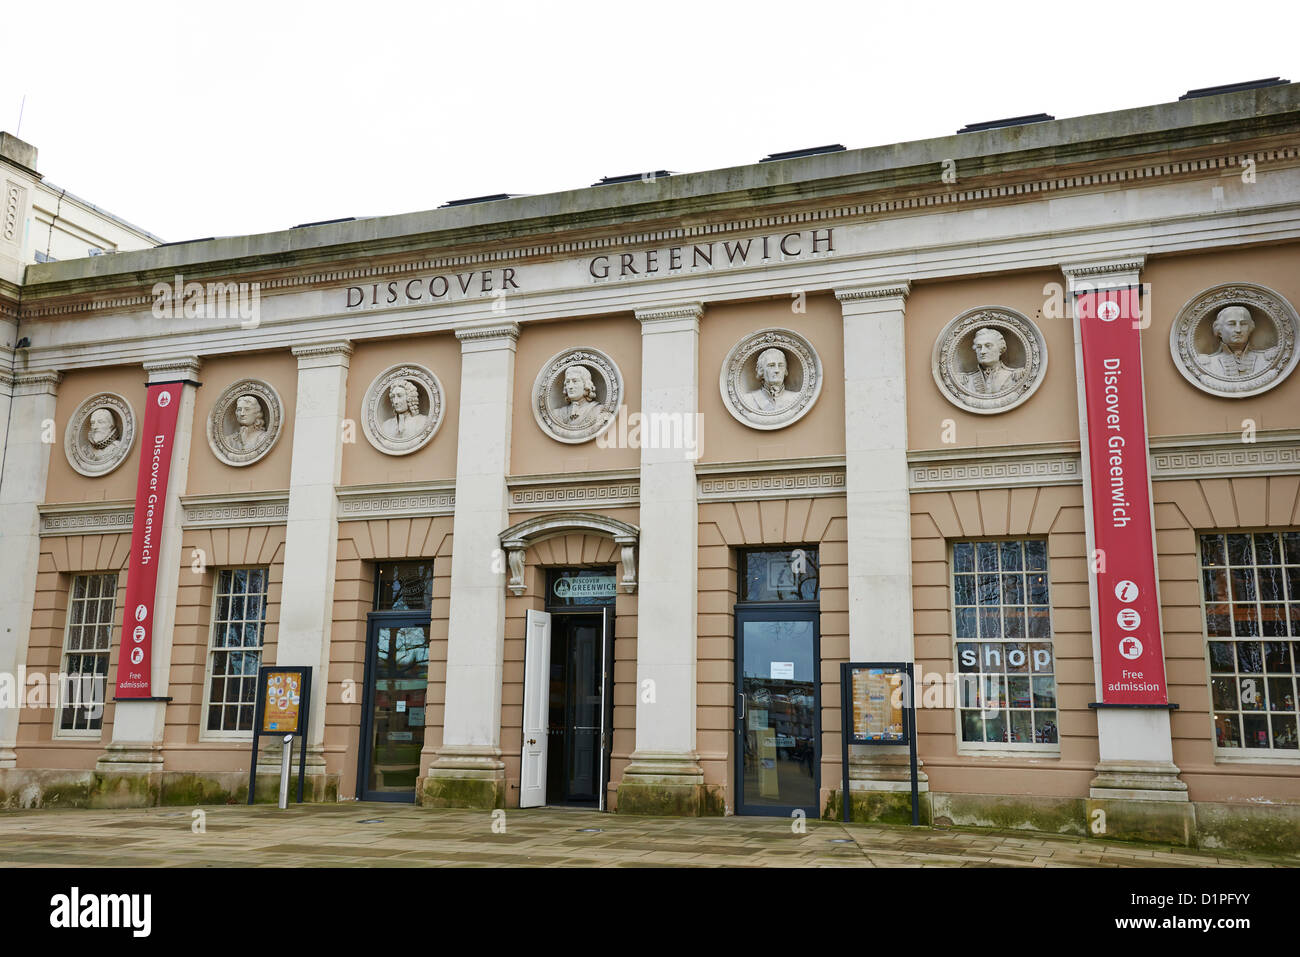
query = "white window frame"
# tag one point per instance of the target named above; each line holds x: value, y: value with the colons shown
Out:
x: 227, y: 735
x: 1242, y: 755
x: 83, y: 734
x: 1001, y: 748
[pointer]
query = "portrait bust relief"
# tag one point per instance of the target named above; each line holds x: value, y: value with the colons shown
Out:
x: 1235, y: 340
x: 245, y: 422
x: 770, y: 378
x: 402, y: 409
x: 100, y: 434
x: 989, y: 360
x: 577, y: 394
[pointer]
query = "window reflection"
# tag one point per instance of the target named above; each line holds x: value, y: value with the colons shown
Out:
x: 1251, y: 586
x: 404, y: 586
x: 1001, y: 597
x: 779, y: 575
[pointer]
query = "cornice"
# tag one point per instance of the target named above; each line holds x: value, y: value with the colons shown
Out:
x: 235, y: 510
x: 566, y: 492
x: 323, y: 350
x: 405, y: 500
x: 1173, y: 458
x: 952, y: 470
x: 1219, y: 455
x: 87, y: 518
x: 920, y: 184
x: 757, y: 481
x: 42, y: 382
x: 1104, y: 267
x: 509, y: 330
x: 685, y: 310
x: 887, y: 290
x: 179, y: 367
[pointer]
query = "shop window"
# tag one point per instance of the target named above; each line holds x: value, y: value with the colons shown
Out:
x: 785, y: 574
x: 235, y: 650
x: 1250, y: 583
x: 86, y: 645
x: 1002, y: 623
x: 404, y: 586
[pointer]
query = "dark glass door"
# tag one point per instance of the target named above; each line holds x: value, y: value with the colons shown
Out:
x: 392, y: 731
x: 778, y: 714
x: 574, y: 764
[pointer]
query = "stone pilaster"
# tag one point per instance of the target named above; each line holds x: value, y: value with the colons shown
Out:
x: 1137, y: 788
x: 468, y: 770
x: 879, y: 520
x: 136, y: 747
x: 665, y: 776
x: 30, y: 397
x: 311, y: 530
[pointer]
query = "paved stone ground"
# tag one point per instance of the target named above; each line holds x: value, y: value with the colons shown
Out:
x: 389, y: 835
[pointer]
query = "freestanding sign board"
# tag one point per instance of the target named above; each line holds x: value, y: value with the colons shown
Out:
x: 876, y: 707
x: 283, y: 708
x: 1132, y: 660
x: 135, y: 658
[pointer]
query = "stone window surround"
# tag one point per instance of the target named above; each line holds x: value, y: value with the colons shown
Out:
x: 207, y: 734
x: 1240, y: 755
x: 119, y: 584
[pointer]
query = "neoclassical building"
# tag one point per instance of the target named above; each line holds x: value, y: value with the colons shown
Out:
x: 584, y: 498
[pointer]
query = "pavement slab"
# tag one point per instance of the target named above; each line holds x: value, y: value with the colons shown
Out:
x: 388, y: 835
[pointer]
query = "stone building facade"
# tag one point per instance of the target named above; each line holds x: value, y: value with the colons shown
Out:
x: 585, y: 497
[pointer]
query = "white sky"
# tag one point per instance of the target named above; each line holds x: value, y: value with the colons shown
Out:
x: 244, y: 117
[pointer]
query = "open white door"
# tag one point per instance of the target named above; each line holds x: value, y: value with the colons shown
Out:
x: 606, y: 701
x: 537, y: 677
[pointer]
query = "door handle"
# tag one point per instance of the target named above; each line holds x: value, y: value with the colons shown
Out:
x: 532, y: 740
x: 742, y: 706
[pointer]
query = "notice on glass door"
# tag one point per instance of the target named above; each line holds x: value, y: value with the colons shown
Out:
x: 783, y: 670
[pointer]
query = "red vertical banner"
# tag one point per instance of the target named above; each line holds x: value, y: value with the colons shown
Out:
x: 135, y: 658
x: 1132, y: 659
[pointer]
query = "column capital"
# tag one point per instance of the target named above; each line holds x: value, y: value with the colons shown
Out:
x: 171, y: 369
x: 670, y: 318
x: 883, y: 290
x: 323, y: 354
x: 1101, y: 273
x: 45, y: 382
x: 501, y: 335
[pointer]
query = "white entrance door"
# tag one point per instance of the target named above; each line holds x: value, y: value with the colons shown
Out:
x: 537, y: 705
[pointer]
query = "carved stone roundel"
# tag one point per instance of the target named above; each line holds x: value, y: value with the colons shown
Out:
x: 989, y: 359
x: 402, y: 409
x: 100, y: 434
x: 245, y: 422
x: 577, y: 394
x: 1235, y: 340
x: 770, y: 379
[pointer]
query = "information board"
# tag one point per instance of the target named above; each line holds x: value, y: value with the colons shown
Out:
x: 282, y: 691
x: 877, y: 700
x: 283, y: 708
x: 876, y: 707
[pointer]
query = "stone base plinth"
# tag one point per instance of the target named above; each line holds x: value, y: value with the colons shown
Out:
x: 1140, y: 801
x: 664, y: 783
x: 26, y: 788
x: 1030, y: 812
x: 880, y: 787
x: 1152, y: 822
x: 465, y: 777
x: 878, y: 805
